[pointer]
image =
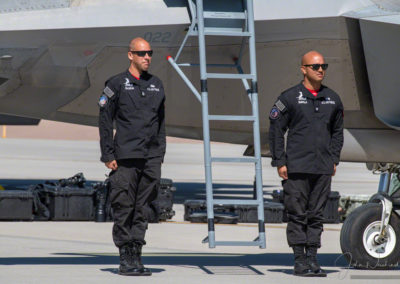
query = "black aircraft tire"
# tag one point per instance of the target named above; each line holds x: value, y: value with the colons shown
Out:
x: 357, y: 232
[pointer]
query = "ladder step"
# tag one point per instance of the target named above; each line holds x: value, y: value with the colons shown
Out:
x: 256, y: 242
x: 226, y: 32
x: 222, y: 32
x: 230, y: 76
x: 223, y: 15
x: 232, y: 117
x: 235, y: 202
x: 233, y: 160
x: 237, y: 243
x: 186, y: 64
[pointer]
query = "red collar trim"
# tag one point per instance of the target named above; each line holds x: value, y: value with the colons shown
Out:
x: 138, y: 78
x: 314, y: 92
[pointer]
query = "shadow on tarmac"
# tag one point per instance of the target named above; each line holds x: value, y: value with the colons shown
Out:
x: 191, y: 259
x: 220, y: 263
x: 115, y: 270
x: 290, y: 271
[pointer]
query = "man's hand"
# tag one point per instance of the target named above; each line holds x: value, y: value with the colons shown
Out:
x: 112, y: 165
x: 334, y: 169
x: 282, y: 171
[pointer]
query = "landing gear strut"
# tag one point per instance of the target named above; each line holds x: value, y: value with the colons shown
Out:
x: 370, y: 236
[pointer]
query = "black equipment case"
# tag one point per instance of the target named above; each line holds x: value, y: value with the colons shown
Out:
x: 16, y: 205
x: 70, y: 203
x: 196, y: 211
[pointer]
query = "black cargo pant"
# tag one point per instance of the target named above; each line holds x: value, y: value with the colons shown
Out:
x: 305, y: 199
x: 133, y: 187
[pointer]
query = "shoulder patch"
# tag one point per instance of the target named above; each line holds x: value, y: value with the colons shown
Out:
x: 280, y: 105
x: 108, y: 92
x: 274, y: 114
x: 103, y: 101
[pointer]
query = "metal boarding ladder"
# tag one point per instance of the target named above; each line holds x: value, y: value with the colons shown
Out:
x: 225, y: 18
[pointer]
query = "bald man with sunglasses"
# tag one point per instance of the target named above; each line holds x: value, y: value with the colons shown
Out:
x: 312, y: 116
x: 134, y: 101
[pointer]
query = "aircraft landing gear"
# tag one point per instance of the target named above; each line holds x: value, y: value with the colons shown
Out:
x: 361, y: 242
x: 370, y: 236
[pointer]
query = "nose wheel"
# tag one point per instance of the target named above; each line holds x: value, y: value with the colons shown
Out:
x: 376, y: 246
x: 362, y: 243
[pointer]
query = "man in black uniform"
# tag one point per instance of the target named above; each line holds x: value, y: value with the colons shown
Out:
x: 313, y: 115
x: 134, y: 100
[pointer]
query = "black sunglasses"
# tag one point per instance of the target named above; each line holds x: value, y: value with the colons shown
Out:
x: 142, y: 53
x: 316, y: 67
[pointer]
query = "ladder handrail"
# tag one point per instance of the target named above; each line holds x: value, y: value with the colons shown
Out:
x: 198, y: 28
x: 183, y: 76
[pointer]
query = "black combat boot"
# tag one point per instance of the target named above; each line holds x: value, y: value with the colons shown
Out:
x: 126, y: 266
x: 301, y: 268
x: 137, y: 259
x: 311, y: 252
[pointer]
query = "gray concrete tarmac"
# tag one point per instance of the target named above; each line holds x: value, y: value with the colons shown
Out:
x: 83, y: 252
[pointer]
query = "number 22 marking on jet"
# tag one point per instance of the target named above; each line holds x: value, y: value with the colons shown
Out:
x: 157, y: 37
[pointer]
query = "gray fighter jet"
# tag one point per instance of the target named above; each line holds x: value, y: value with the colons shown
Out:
x: 56, y: 54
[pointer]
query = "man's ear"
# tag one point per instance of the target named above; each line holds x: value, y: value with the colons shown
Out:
x: 303, y: 70
x: 130, y: 56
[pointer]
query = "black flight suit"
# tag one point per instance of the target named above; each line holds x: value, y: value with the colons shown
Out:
x: 137, y: 109
x: 314, y: 142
